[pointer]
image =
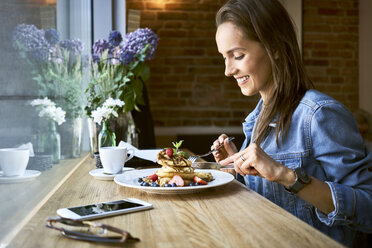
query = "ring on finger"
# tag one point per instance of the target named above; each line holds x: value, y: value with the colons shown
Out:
x: 242, y: 158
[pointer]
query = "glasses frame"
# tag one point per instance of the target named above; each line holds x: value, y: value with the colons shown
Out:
x: 124, y: 235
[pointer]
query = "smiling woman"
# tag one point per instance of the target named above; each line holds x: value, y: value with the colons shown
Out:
x: 245, y: 60
x: 296, y: 153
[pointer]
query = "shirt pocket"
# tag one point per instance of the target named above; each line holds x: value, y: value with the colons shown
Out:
x: 291, y: 163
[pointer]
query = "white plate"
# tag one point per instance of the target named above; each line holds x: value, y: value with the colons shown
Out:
x: 28, y: 175
x: 130, y: 179
x: 100, y: 175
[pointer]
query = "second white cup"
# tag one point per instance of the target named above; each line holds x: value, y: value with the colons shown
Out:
x: 113, y: 158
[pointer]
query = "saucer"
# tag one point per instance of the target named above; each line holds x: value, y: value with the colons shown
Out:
x: 100, y: 175
x: 27, y: 176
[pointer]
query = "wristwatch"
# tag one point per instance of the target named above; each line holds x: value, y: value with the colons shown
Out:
x: 302, y: 179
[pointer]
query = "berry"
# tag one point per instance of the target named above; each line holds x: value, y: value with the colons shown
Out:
x: 174, y: 185
x: 140, y: 180
x: 199, y: 180
x: 196, y: 184
x: 177, y: 180
x: 168, y: 185
x: 153, y: 177
x: 192, y: 184
x: 169, y: 152
x: 145, y: 184
x: 153, y: 184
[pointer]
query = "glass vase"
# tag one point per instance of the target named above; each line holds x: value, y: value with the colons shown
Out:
x: 125, y: 129
x: 55, y: 143
x: 106, y: 137
x: 71, y: 137
x: 48, y: 142
x: 93, y: 130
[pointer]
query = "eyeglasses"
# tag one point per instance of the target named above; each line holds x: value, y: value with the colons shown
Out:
x: 88, y: 231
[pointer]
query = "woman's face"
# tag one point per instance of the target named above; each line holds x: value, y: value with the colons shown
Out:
x: 245, y: 60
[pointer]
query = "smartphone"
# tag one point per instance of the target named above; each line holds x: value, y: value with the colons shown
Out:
x: 103, y: 209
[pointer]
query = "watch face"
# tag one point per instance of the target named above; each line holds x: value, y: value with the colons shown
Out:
x: 302, y: 175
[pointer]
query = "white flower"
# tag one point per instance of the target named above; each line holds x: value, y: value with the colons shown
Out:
x: 49, y: 110
x: 43, y: 102
x: 54, y: 113
x: 112, y: 103
x: 107, y: 110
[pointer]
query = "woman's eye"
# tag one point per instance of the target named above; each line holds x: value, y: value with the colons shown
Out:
x: 239, y: 57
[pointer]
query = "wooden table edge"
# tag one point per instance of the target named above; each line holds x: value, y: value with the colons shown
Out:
x: 10, y: 236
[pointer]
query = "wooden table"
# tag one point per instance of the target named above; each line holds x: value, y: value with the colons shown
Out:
x: 226, y: 216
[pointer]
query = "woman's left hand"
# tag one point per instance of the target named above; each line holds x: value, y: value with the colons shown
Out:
x: 254, y: 161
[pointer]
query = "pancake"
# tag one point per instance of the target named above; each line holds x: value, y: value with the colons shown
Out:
x: 175, y: 169
x: 184, y: 176
x: 206, y: 176
x: 177, y: 160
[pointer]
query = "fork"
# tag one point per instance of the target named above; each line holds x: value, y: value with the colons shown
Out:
x: 194, y: 158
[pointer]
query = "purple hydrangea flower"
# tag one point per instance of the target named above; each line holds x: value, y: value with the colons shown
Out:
x: 32, y: 40
x: 100, y: 46
x: 52, y: 36
x: 74, y: 46
x: 115, y: 38
x: 126, y: 56
x: 135, y: 41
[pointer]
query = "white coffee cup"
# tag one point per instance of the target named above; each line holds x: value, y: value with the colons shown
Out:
x: 113, y: 158
x: 13, y: 161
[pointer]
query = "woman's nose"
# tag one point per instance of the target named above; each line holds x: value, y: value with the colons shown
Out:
x: 230, y: 69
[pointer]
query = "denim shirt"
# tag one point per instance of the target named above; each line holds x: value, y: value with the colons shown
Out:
x: 323, y: 139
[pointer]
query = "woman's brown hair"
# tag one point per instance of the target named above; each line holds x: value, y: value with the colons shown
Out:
x: 267, y: 22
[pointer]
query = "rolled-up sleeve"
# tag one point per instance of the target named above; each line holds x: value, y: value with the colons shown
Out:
x: 339, y: 150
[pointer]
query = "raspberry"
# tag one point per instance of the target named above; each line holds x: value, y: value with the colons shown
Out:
x: 169, y: 152
x: 153, y: 177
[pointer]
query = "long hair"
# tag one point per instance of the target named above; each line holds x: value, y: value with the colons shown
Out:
x: 267, y: 22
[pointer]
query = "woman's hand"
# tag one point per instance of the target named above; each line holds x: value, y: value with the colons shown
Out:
x: 227, y: 150
x: 254, y: 161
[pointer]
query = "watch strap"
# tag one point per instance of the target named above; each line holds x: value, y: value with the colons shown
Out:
x: 302, y: 179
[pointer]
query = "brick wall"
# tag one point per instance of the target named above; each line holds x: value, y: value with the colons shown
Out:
x: 188, y: 86
x: 331, y: 47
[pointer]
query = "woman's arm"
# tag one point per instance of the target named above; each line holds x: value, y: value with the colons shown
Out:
x: 254, y: 161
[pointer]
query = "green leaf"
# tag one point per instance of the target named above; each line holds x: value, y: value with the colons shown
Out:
x: 178, y: 144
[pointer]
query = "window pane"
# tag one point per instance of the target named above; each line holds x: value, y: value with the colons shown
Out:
x: 40, y: 61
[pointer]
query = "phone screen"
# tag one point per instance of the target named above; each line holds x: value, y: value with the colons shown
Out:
x: 100, y: 208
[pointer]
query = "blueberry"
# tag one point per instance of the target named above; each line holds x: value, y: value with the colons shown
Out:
x: 196, y: 184
x: 140, y: 179
x: 145, y: 184
x: 153, y: 184
x: 168, y: 185
x: 192, y: 184
x: 174, y: 185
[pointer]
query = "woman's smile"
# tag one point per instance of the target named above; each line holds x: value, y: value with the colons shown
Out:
x: 242, y: 80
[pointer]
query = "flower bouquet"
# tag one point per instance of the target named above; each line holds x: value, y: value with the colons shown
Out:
x: 103, y: 115
x: 57, y: 68
x: 118, y: 70
x: 48, y: 140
